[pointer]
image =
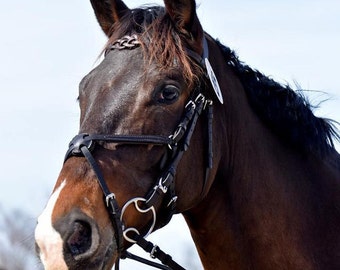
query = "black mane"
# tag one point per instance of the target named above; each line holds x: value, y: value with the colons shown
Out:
x: 285, y: 111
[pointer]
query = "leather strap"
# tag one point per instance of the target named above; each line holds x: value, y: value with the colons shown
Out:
x: 111, y: 202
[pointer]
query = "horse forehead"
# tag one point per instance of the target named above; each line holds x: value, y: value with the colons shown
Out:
x: 117, y: 66
x: 118, y: 63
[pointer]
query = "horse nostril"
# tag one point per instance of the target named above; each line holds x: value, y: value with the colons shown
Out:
x: 80, y: 240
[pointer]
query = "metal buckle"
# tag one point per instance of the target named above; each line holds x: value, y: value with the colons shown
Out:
x: 153, y: 250
x: 173, y: 143
x: 160, y: 185
x: 193, y: 104
x: 178, y: 134
x: 109, y: 197
x: 200, y: 98
x: 208, y: 102
x: 173, y: 199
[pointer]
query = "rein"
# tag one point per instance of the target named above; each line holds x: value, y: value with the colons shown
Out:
x: 162, y: 195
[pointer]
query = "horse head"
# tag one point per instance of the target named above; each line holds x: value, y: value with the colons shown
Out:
x: 126, y: 173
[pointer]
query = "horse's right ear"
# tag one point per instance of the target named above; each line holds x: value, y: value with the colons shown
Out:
x: 109, y: 12
x: 183, y: 14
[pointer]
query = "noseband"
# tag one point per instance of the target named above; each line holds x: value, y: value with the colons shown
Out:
x: 162, y: 195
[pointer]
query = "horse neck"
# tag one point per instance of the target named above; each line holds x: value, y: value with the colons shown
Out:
x: 261, y: 208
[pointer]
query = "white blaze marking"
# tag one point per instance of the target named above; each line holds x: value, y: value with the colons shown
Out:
x: 48, y: 239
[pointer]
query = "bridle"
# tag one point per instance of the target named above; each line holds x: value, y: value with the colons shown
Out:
x: 163, y: 194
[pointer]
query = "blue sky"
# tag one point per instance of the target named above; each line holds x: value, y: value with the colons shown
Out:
x: 47, y: 46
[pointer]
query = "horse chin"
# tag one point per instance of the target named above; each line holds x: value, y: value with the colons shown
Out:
x: 110, y: 257
x: 103, y: 259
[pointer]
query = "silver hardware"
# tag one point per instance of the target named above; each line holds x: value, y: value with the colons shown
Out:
x: 200, y: 97
x: 173, y: 199
x: 153, y: 250
x: 208, y: 102
x: 191, y: 103
x: 140, y: 210
x: 109, y: 197
x: 127, y: 238
x: 126, y: 42
x: 171, y: 137
x: 163, y: 188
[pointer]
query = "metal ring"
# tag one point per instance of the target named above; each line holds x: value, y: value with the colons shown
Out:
x: 135, y: 202
x: 128, y: 238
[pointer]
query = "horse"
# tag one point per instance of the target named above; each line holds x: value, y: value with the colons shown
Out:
x: 173, y: 122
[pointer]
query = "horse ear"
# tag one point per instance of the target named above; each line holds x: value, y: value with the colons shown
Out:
x: 183, y: 14
x: 109, y: 12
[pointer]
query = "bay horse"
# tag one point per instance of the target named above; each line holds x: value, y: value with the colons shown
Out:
x: 173, y: 122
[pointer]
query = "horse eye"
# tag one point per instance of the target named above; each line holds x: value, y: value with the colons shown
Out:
x: 168, y: 94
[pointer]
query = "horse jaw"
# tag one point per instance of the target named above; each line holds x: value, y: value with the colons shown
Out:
x: 50, y: 252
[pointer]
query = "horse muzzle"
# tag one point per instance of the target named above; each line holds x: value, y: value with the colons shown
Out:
x: 75, y: 242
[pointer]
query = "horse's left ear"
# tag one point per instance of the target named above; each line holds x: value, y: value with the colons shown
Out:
x: 109, y: 12
x: 183, y: 14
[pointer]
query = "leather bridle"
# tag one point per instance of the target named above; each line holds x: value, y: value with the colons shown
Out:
x: 163, y: 194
